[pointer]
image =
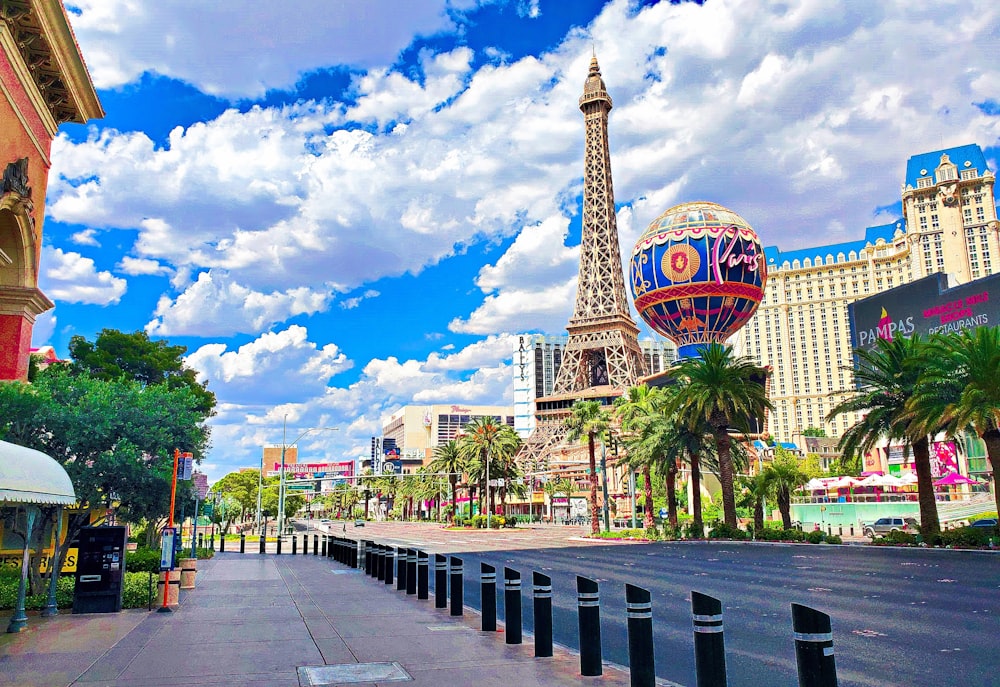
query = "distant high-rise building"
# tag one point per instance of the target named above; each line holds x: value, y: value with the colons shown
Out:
x: 802, y: 330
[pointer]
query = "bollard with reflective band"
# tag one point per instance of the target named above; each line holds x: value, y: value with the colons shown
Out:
x: 541, y: 592
x: 423, y: 561
x: 390, y: 564
x: 488, y: 595
x: 457, y: 590
x: 512, y: 605
x: 262, y: 543
x: 401, y: 569
x: 279, y: 544
x: 589, y: 610
x: 639, y: 617
x: 440, y: 581
x: 411, y: 571
x: 295, y: 545
x: 709, y: 641
x: 222, y: 543
x: 243, y: 542
x: 813, y: 647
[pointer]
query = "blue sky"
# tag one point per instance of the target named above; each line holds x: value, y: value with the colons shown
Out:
x: 345, y: 207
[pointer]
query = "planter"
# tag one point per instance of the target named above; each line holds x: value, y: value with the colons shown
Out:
x: 189, y: 567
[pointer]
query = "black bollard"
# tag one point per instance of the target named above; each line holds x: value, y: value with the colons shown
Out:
x: 305, y: 544
x: 639, y: 615
x: 315, y: 544
x: 457, y: 590
x: 378, y: 563
x: 411, y: 571
x: 813, y: 647
x: 512, y: 605
x: 383, y: 552
x: 295, y: 545
x: 243, y: 542
x: 541, y: 590
x: 366, y: 547
x: 709, y: 641
x: 201, y: 540
x: 440, y: 581
x: 211, y: 541
x: 423, y: 561
x: 222, y: 542
x: 279, y: 544
x: 355, y: 547
x: 401, y: 569
x: 589, y: 610
x: 262, y: 543
x: 329, y: 546
x: 325, y: 546
x: 488, y: 595
x: 390, y: 563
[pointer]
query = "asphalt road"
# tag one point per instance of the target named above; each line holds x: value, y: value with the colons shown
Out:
x: 901, y: 617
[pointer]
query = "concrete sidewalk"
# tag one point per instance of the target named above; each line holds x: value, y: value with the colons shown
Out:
x: 283, y: 622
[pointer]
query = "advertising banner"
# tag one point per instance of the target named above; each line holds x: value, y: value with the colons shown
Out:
x: 943, y: 458
x: 926, y: 306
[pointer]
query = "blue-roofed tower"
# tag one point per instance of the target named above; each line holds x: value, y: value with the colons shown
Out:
x: 801, y: 329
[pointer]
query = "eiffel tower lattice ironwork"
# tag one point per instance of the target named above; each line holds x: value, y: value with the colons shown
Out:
x: 602, y: 356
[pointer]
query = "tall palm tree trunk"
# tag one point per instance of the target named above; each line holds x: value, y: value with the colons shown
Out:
x: 671, y: 498
x: 724, y: 445
x: 784, y: 498
x: 595, y: 520
x: 930, y: 526
x: 758, y: 516
x: 992, y: 440
x: 647, y: 497
x: 454, y: 498
x: 697, y: 524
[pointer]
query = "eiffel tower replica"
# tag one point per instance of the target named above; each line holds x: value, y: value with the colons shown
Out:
x: 602, y: 358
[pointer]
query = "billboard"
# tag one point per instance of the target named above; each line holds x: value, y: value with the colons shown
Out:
x: 926, y: 306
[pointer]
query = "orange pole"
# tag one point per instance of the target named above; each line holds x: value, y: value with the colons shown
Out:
x: 170, y: 517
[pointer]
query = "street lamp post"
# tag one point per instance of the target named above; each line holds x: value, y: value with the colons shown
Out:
x: 281, y: 476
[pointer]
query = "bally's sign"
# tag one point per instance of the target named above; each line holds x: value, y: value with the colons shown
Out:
x: 926, y: 306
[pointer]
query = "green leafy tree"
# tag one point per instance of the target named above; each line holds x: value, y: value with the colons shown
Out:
x: 962, y: 383
x: 448, y: 459
x: 556, y: 487
x: 783, y: 476
x: 239, y: 489
x: 724, y: 393
x: 115, y: 438
x: 886, y: 377
x: 117, y: 355
x: 589, y: 419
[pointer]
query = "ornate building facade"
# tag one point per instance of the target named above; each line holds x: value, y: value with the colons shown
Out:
x: 43, y: 84
x: 802, y: 330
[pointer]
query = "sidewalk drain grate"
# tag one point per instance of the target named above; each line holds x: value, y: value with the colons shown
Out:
x: 348, y: 673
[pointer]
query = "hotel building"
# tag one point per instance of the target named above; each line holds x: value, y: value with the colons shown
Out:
x: 802, y: 330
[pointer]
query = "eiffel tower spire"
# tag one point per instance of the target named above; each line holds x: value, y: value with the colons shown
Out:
x: 603, y: 347
x: 602, y: 358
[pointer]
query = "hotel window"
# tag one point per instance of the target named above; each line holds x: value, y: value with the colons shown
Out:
x: 934, y: 222
x: 980, y: 214
x: 969, y: 173
x: 967, y: 215
x: 923, y: 224
x: 925, y: 182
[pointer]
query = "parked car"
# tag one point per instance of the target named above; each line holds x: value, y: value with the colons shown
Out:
x: 893, y: 524
x: 984, y: 522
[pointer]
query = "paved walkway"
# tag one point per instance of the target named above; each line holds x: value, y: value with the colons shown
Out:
x: 283, y: 622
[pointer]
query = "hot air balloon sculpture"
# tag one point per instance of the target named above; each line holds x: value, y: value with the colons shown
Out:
x: 697, y: 274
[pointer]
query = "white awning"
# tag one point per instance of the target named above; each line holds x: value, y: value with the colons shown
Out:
x: 30, y: 476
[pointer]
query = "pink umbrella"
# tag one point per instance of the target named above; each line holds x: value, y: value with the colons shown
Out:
x: 953, y: 478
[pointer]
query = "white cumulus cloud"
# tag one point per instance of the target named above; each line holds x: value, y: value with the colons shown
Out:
x: 72, y: 278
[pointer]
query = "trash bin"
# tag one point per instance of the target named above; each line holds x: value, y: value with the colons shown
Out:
x: 173, y: 596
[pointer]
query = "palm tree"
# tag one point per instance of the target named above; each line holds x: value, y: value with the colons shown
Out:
x: 725, y: 393
x: 757, y: 490
x: 557, y: 486
x: 782, y: 477
x: 886, y: 377
x: 487, y: 445
x: 589, y: 420
x: 639, y: 406
x: 968, y: 365
x: 448, y: 459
